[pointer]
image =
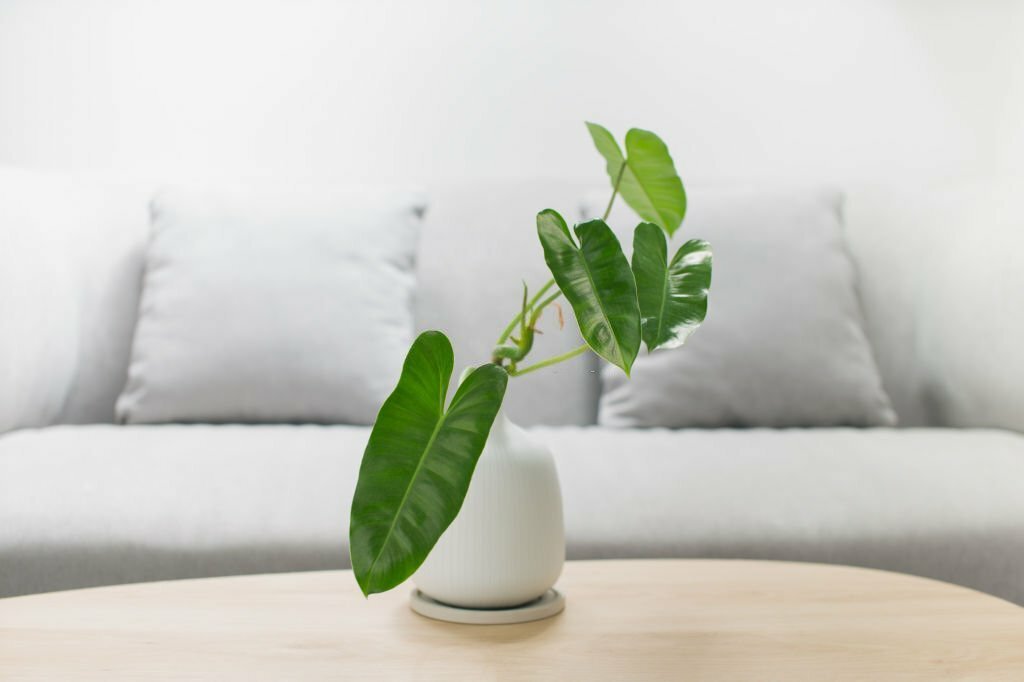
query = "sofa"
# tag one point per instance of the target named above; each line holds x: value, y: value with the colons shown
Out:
x: 85, y: 501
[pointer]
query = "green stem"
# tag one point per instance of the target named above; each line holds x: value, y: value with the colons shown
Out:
x: 615, y: 191
x: 519, y: 316
x: 550, y: 361
x: 537, y: 309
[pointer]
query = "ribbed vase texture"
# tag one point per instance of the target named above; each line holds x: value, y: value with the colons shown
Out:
x: 507, y: 545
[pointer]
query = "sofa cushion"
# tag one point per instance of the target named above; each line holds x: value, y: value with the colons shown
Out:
x: 783, y: 343
x: 96, y: 505
x: 273, y: 304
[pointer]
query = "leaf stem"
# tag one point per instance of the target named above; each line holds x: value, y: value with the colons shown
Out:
x: 615, y: 192
x: 534, y: 307
x: 550, y: 361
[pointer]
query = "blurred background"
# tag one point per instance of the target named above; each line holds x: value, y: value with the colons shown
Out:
x: 846, y: 92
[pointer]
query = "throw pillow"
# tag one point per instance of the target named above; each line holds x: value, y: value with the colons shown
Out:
x: 273, y: 305
x: 783, y: 343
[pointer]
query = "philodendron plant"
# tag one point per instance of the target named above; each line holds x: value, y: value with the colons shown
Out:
x: 422, y: 451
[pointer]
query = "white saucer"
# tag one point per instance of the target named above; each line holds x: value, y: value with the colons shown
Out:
x: 546, y: 606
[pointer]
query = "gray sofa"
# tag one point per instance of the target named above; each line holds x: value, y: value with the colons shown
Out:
x: 86, y: 502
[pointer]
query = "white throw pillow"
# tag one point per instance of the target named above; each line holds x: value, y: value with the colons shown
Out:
x: 783, y: 343
x: 273, y: 305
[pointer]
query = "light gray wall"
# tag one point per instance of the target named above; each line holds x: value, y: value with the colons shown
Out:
x: 841, y: 90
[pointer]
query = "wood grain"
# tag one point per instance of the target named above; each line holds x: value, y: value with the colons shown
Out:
x: 625, y: 620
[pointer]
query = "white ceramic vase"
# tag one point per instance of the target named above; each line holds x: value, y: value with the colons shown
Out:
x: 507, y: 545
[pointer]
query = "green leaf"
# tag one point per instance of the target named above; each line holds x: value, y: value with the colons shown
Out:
x: 596, y: 280
x: 649, y: 183
x: 608, y: 148
x: 673, y: 295
x: 418, y: 462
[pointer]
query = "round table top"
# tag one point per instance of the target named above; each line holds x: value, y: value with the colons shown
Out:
x: 658, y: 619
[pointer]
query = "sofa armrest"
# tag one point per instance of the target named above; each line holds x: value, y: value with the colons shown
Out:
x: 38, y: 311
x: 943, y: 290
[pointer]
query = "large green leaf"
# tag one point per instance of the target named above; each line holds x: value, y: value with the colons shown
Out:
x: 673, y: 295
x: 596, y: 280
x: 649, y: 183
x: 418, y: 462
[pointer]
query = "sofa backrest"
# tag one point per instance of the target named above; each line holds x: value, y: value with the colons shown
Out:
x: 938, y: 277
x: 941, y: 290
x: 71, y: 305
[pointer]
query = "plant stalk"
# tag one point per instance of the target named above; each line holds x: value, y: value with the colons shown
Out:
x: 615, y: 192
x: 550, y: 361
x: 537, y: 306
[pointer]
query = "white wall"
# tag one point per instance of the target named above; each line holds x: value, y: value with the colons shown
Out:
x: 436, y: 91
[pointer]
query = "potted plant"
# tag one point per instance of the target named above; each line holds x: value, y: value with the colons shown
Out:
x: 506, y: 547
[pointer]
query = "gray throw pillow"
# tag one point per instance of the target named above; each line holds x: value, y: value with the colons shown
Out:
x: 273, y: 305
x: 783, y: 344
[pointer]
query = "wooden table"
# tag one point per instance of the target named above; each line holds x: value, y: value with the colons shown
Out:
x: 624, y: 620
